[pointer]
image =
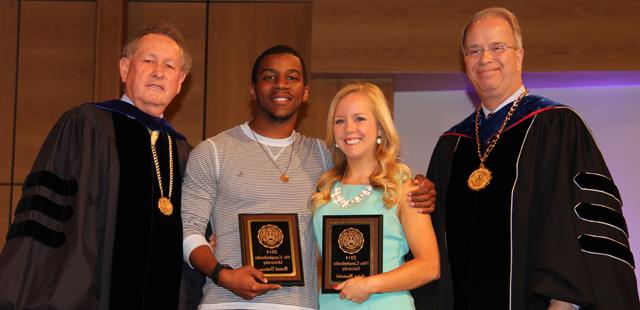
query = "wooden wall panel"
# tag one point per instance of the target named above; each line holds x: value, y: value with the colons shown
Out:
x: 238, y: 33
x: 56, y: 67
x: 8, y: 46
x: 322, y: 92
x: 5, y: 213
x: 186, y: 111
x: 581, y: 35
x: 110, y: 31
x: 424, y: 36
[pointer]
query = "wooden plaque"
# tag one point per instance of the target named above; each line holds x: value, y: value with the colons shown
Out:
x: 351, y: 246
x: 271, y: 244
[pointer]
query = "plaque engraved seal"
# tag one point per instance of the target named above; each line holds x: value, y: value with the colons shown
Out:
x: 270, y: 236
x: 351, y: 241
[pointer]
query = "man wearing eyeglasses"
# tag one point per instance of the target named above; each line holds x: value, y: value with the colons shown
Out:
x: 530, y: 218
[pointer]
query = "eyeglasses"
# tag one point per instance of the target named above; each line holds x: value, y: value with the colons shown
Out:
x: 494, y: 50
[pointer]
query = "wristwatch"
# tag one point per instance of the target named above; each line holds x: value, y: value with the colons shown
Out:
x: 215, y: 274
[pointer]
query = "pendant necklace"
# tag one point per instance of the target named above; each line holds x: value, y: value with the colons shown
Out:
x: 284, y: 177
x: 480, y: 178
x: 164, y: 203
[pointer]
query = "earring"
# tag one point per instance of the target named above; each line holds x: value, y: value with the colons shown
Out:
x: 337, y: 146
x: 379, y: 140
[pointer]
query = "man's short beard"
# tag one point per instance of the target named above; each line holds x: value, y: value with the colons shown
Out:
x: 273, y: 117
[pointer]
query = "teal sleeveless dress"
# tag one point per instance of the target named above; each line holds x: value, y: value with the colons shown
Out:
x: 394, y: 244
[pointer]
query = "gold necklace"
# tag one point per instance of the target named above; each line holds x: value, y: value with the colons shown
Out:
x: 480, y: 178
x: 164, y: 203
x: 284, y: 177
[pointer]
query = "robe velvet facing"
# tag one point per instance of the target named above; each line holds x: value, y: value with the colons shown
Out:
x: 87, y: 232
x: 549, y: 224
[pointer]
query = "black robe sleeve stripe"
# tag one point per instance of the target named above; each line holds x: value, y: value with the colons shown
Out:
x: 77, y: 166
x: 588, y: 181
x: 601, y: 214
x: 52, y: 182
x: 45, y: 206
x: 36, y: 231
x: 599, y: 245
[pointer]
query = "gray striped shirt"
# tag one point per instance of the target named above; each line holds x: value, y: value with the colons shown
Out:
x: 230, y: 174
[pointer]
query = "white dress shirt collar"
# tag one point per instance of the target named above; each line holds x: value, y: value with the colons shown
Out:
x: 512, y: 98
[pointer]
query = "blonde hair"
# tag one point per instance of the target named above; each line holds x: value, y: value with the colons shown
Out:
x: 390, y: 173
x: 499, y: 12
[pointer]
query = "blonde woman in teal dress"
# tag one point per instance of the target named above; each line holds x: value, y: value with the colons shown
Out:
x: 368, y: 179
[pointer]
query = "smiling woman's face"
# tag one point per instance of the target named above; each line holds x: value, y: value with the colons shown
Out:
x: 355, y: 128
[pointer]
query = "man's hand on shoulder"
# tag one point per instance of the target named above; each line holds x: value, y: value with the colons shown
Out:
x: 246, y: 282
x: 423, y: 198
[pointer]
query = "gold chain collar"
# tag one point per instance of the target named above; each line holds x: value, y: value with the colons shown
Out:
x: 480, y: 178
x: 164, y: 203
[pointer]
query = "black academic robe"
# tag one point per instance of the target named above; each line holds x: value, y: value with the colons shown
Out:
x: 548, y: 226
x: 87, y: 232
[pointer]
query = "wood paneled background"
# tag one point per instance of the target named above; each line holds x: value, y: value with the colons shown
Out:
x: 55, y: 55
